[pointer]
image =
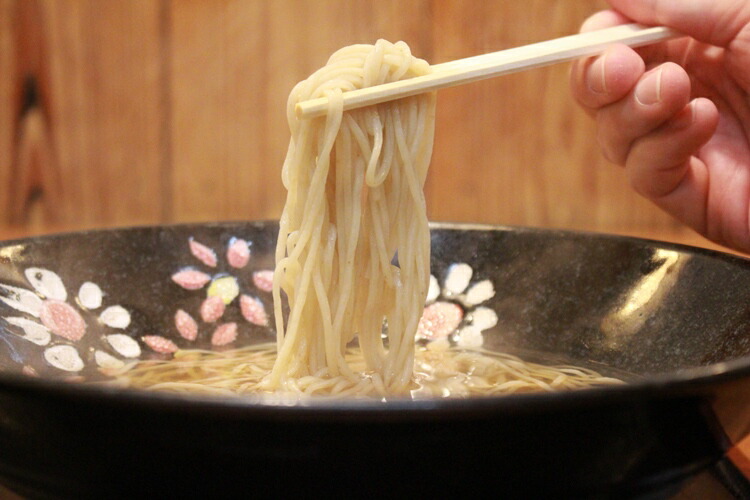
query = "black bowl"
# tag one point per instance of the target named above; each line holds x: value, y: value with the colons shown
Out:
x: 672, y: 320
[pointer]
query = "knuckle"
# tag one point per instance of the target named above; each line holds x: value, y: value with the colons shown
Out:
x: 647, y: 182
x: 639, y: 183
x: 610, y: 145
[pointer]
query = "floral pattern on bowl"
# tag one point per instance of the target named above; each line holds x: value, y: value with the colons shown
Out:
x: 116, y: 301
x: 453, y: 313
x: 50, y: 317
x: 225, y: 288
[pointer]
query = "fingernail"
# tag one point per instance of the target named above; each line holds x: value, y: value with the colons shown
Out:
x: 686, y: 117
x: 596, y: 81
x: 648, y: 90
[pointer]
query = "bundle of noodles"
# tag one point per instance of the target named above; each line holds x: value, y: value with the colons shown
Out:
x: 353, y: 248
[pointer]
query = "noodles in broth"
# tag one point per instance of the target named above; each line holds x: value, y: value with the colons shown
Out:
x: 353, y: 255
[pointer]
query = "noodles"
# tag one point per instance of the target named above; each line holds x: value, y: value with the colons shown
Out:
x: 354, y: 201
x: 353, y: 254
x: 441, y: 373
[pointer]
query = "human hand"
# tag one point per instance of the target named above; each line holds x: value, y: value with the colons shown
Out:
x: 676, y: 115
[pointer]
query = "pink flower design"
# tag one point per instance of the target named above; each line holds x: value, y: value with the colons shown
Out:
x: 439, y: 320
x: 160, y: 344
x: 223, y: 289
x: 212, y: 309
x: 224, y: 334
x: 454, y: 313
x: 253, y: 310
x: 186, y: 325
x: 190, y: 279
x: 203, y: 253
x: 238, y: 254
x: 263, y: 280
x: 61, y: 319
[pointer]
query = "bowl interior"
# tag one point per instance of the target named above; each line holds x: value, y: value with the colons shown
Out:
x: 76, y: 306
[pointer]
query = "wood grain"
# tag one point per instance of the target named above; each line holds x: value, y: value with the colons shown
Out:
x: 113, y: 113
x: 516, y: 150
x: 8, y: 102
x: 83, y: 89
x: 231, y: 73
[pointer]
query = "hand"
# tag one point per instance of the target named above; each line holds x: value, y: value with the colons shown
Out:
x: 677, y: 115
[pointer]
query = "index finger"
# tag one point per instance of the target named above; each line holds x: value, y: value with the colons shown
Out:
x: 600, y: 80
x: 709, y: 21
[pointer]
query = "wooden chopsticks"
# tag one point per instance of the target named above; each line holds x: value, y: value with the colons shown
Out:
x: 472, y: 69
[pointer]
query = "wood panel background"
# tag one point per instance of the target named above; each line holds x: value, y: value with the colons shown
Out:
x: 140, y: 112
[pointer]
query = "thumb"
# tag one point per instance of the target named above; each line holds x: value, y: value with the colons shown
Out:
x: 716, y: 22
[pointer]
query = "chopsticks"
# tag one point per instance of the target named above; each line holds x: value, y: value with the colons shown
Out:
x: 472, y: 69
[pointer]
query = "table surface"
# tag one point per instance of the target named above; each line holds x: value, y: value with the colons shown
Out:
x: 740, y: 454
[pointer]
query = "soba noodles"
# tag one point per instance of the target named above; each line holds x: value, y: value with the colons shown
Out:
x: 353, y: 262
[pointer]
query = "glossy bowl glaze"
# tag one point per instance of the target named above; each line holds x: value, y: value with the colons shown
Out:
x: 673, y: 320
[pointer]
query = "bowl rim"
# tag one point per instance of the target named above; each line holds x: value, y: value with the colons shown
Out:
x: 678, y: 383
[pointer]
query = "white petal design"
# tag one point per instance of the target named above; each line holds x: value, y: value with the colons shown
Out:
x: 90, y: 295
x: 469, y: 336
x: 433, y: 291
x: 64, y: 357
x: 33, y: 331
x: 22, y: 300
x: 124, y: 345
x: 46, y: 283
x: 107, y: 361
x: 482, y: 291
x: 115, y: 317
x: 458, y: 279
x: 483, y: 318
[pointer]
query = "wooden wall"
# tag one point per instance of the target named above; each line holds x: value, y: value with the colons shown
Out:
x: 137, y: 112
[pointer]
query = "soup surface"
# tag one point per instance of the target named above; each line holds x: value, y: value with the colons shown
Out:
x: 440, y: 371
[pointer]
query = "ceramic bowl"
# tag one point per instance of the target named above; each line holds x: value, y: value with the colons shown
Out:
x: 673, y: 321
